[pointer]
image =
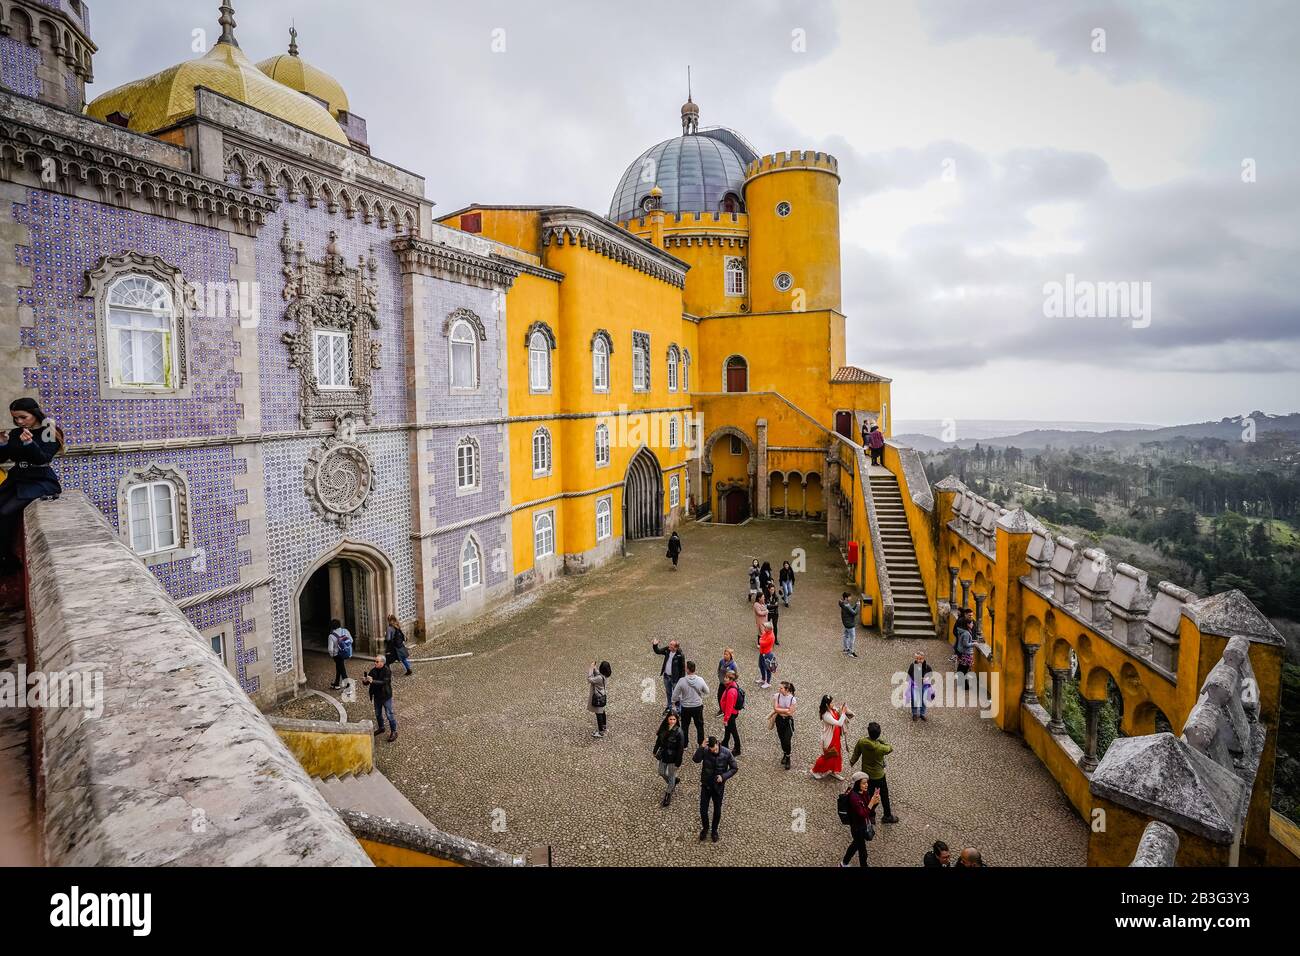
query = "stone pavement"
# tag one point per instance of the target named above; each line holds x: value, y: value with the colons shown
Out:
x: 498, y: 748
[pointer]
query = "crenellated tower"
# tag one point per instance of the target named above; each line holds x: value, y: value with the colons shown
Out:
x: 46, y: 48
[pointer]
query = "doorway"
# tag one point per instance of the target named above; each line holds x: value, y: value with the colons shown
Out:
x: 643, y: 497
x: 735, y: 506
x: 844, y: 424
x: 737, y: 374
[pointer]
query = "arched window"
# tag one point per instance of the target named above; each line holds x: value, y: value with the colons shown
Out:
x: 734, y: 272
x: 673, y: 438
x: 604, y: 518
x: 543, y: 535
x: 464, y: 356
x: 737, y: 374
x: 602, y: 445
x: 539, y: 363
x: 467, y: 466
x: 141, y: 333
x: 153, y: 517
x: 674, y: 491
x: 686, y: 371
x: 471, y: 565
x: 600, y: 364
x: 541, y: 452
x: 674, y: 361
x: 640, y: 361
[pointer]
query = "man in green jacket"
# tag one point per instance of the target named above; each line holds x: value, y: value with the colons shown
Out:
x: 871, y: 750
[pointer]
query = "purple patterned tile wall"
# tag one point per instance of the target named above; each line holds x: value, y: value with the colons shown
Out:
x: 491, y: 538
x: 69, y: 237
x: 19, y: 63
x: 280, y: 381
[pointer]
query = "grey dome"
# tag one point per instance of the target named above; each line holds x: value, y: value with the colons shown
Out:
x: 695, y: 172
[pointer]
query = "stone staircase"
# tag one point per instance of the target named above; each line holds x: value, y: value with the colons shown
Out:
x: 911, y: 609
x: 372, y: 793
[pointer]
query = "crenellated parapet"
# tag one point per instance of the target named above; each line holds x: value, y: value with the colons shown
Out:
x: 793, y: 159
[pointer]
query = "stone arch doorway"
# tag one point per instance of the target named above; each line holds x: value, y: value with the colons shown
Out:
x: 733, y: 505
x: 352, y: 582
x: 643, y: 497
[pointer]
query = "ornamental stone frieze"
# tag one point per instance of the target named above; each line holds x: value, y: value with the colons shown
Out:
x: 339, y: 474
x: 328, y: 295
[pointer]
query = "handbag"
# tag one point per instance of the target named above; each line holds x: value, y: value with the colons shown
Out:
x: 598, y: 696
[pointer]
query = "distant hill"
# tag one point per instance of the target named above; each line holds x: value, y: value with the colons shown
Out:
x: 1047, y: 435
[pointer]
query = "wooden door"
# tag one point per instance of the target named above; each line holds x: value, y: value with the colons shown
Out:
x: 844, y: 424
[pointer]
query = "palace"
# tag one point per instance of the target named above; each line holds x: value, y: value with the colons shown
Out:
x: 293, y: 393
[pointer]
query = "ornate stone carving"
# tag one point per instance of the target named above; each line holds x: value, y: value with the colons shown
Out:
x: 329, y: 295
x: 474, y: 322
x: 339, y: 475
x: 545, y: 329
x: 609, y: 340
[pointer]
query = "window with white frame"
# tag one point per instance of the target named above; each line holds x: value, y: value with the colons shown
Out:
x: 674, y: 491
x: 602, y: 445
x: 471, y: 565
x: 153, y: 517
x: 640, y: 362
x: 467, y: 465
x: 686, y: 371
x: 142, y: 334
x: 673, y: 438
x: 674, y: 360
x: 604, y: 518
x: 735, y: 275
x: 600, y: 364
x: 333, y: 358
x: 539, y: 362
x: 541, y: 452
x: 464, y: 356
x: 543, y: 535
x: 218, y: 642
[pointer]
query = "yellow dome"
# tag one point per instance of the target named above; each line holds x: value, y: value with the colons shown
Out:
x: 162, y: 99
x: 297, y: 74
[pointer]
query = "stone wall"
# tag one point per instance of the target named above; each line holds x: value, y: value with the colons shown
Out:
x: 179, y: 768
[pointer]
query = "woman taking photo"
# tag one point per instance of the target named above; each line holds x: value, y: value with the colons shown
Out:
x: 832, y: 759
x: 598, y: 681
x: 32, y: 444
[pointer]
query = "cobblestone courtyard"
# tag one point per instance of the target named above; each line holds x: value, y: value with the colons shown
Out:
x: 498, y: 746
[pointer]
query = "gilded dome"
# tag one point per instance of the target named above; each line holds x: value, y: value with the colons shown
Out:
x: 297, y: 74
x: 158, y: 101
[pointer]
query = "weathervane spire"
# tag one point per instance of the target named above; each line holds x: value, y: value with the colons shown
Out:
x: 227, y: 22
x: 293, y: 41
x: 690, y: 112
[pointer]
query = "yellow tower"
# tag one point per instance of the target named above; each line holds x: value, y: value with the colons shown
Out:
x: 793, y: 203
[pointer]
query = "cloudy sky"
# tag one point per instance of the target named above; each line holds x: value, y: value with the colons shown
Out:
x: 987, y: 149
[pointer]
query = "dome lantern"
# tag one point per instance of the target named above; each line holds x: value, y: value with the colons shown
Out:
x: 690, y: 112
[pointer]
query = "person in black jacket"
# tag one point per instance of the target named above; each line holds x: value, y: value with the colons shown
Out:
x: 380, y: 681
x: 786, y: 580
x: 773, y: 602
x: 717, y: 766
x: 31, y: 445
x: 938, y: 856
x: 674, y: 667
x: 674, y: 548
x: 670, y: 744
x: 396, y: 641
x: 765, y: 577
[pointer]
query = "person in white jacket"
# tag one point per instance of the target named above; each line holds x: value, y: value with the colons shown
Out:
x: 833, y: 720
x: 339, y: 648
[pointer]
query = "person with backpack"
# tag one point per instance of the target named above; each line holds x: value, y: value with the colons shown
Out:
x: 32, y: 445
x: 766, y: 659
x: 733, y: 702
x: 787, y: 583
x: 773, y: 603
x: 674, y: 548
x: 670, y: 745
x: 598, y: 681
x: 688, y: 700
x: 782, y: 718
x: 754, y: 572
x: 876, y: 441
x: 396, y: 642
x: 380, y: 681
x: 849, y: 618
x: 340, y: 648
x: 717, y: 766
x: 857, y: 809
x: 871, y: 750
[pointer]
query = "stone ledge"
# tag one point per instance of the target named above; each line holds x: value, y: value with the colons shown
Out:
x: 180, y: 768
x: 434, y: 843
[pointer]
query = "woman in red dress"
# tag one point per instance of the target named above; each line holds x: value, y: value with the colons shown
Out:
x: 832, y: 759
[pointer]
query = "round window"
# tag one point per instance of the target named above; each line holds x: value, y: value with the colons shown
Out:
x: 783, y: 209
x: 783, y: 281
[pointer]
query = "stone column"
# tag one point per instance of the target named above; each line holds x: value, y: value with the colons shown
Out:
x: 965, y: 593
x: 1030, y: 696
x: 1059, y: 676
x: 335, y: 569
x: 760, y: 470
x: 979, y: 615
x: 993, y: 631
x: 785, y: 491
x: 1089, y: 761
x: 952, y: 586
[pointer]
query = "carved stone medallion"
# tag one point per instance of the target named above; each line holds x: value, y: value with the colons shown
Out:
x: 339, y: 475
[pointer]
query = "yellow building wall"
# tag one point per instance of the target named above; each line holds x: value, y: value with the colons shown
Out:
x: 704, y: 240
x: 521, y: 228
x: 806, y: 243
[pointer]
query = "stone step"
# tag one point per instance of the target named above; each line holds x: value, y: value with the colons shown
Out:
x: 371, y: 792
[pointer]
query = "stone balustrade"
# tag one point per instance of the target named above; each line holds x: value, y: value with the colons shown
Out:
x: 1092, y: 584
x: 1042, y: 547
x: 1064, y: 570
x: 1162, y: 624
x: 1128, y: 604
